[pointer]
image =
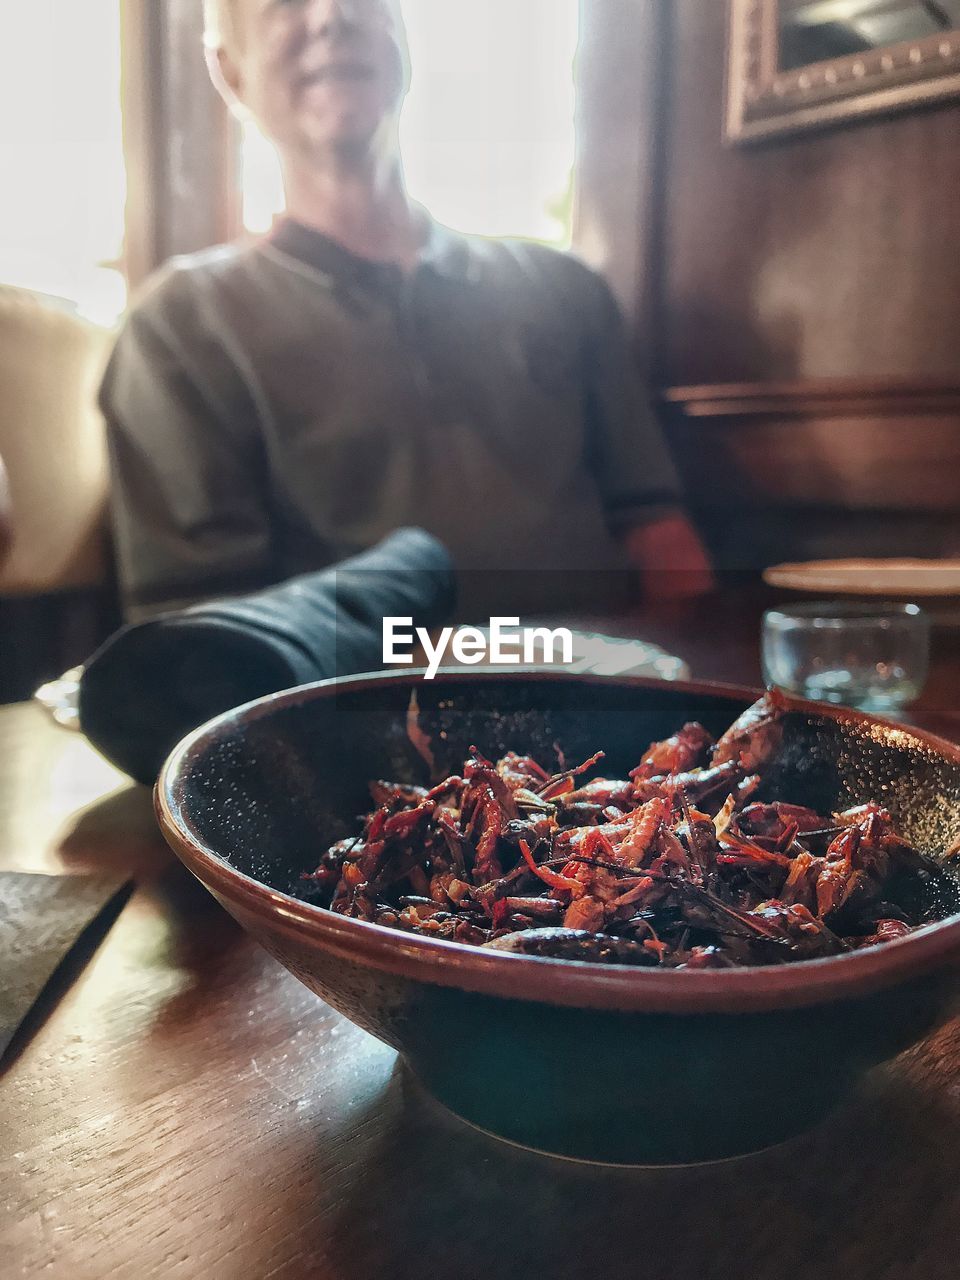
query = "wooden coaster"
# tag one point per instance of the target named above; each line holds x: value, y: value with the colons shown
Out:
x: 41, y: 920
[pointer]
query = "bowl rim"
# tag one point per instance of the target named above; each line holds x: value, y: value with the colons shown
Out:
x: 535, y: 978
x: 853, y: 614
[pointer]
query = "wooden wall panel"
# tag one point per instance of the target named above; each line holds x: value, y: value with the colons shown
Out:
x: 622, y: 79
x: 831, y: 255
x: 862, y: 464
x: 780, y: 472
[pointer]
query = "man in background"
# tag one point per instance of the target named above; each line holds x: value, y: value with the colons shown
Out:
x: 275, y: 407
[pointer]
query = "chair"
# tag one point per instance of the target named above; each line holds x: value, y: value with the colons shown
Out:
x: 56, y: 576
x: 52, y: 443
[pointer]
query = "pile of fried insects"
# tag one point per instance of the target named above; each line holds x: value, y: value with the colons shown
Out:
x: 675, y: 865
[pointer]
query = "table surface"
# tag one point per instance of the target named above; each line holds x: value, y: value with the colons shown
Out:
x: 181, y: 1107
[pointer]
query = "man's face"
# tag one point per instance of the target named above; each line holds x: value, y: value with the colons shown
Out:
x: 319, y: 76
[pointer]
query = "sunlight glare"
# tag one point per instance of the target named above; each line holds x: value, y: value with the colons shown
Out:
x: 488, y: 129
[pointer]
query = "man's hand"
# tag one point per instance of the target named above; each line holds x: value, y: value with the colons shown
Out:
x: 670, y: 558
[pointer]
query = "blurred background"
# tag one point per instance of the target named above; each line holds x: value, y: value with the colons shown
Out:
x: 771, y: 187
x: 488, y: 132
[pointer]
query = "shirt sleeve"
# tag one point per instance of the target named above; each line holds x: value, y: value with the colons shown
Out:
x: 626, y: 446
x: 189, y: 510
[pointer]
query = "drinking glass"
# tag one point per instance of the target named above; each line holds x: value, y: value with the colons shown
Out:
x: 871, y: 656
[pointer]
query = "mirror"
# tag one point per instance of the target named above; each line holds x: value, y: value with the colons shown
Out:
x: 798, y: 64
x: 818, y: 30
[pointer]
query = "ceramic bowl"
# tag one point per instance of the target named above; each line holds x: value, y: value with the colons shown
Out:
x: 588, y: 1061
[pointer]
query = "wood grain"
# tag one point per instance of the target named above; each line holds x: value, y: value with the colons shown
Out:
x: 188, y: 1109
x: 824, y: 256
x: 41, y: 918
x: 620, y: 78
x: 838, y: 467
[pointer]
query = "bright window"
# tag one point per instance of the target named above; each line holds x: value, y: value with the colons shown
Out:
x: 61, y: 152
x: 488, y: 129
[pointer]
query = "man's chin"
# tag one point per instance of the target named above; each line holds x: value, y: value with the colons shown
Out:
x: 350, y: 139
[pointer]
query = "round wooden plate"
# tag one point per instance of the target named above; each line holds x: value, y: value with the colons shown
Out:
x: 896, y: 578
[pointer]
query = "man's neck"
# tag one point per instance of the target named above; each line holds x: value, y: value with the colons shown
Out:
x: 363, y: 207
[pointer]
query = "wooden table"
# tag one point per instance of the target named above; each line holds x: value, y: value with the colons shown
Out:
x: 185, y: 1109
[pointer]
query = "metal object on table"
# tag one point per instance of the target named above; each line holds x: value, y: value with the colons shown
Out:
x: 597, y: 654
x: 61, y: 698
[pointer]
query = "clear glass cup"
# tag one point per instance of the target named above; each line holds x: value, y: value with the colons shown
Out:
x: 871, y: 656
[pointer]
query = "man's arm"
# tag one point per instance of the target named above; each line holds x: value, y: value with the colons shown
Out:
x: 190, y: 517
x: 638, y: 481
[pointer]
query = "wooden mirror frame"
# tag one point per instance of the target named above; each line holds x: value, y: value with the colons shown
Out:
x: 764, y: 102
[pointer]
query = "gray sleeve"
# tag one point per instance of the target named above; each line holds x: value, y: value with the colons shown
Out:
x: 189, y: 511
x: 628, y: 452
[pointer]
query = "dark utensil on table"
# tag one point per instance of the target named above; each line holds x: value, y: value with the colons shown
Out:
x: 595, y: 1062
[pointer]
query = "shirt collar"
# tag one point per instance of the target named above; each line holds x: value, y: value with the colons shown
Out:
x: 450, y: 254
x: 446, y: 253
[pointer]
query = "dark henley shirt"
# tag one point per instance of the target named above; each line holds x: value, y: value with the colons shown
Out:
x: 275, y: 407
